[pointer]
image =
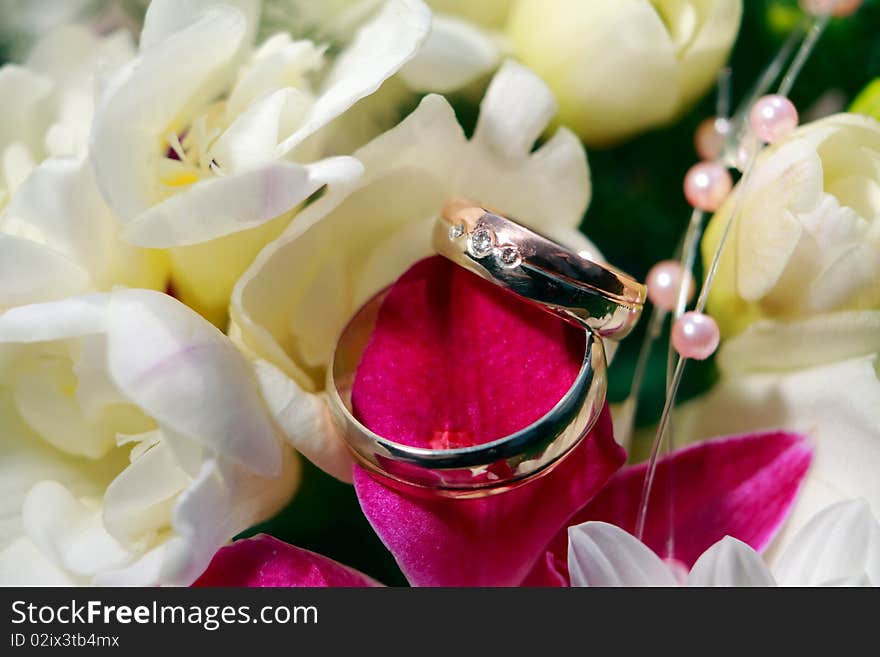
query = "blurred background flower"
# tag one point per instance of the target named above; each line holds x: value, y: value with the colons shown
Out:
x: 619, y: 67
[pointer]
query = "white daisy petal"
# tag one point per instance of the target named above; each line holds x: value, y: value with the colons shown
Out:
x: 730, y: 563
x: 600, y: 554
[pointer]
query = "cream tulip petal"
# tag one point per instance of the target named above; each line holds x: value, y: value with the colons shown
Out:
x: 71, y: 534
x: 851, y: 280
x: 187, y: 375
x: 222, y: 206
x: 25, y: 459
x: 165, y: 17
x: 730, y: 563
x: 787, y: 182
x: 837, y: 405
x: 840, y: 543
x: 600, y: 554
x: 768, y: 345
x: 305, y: 421
x: 55, y: 320
x: 378, y: 50
x: 516, y: 109
x: 154, y: 95
x: 455, y: 54
x: 549, y: 189
x: 32, y: 273
x: 717, y: 24
x: 597, y: 46
x: 22, y: 564
x: 138, y: 503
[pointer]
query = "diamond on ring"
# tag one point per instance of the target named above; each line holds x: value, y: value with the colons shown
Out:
x: 481, y: 242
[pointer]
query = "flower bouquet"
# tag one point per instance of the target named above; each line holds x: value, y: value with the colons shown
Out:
x: 300, y: 293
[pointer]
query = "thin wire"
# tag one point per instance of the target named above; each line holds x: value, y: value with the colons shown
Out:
x: 806, y: 49
x: 655, y: 324
x: 739, y: 133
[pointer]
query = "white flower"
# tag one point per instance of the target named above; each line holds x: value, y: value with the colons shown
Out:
x: 807, y: 240
x: 839, y: 547
x: 48, y: 101
x: 799, y: 289
x: 57, y: 235
x: 289, y: 307
x: 135, y: 442
x: 198, y: 142
x: 618, y: 67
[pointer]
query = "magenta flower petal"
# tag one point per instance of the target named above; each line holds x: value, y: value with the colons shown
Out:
x: 264, y: 561
x: 457, y: 361
x: 741, y: 486
x: 493, y: 541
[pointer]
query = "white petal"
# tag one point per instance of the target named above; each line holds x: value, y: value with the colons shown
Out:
x: 25, y: 459
x: 278, y: 63
x: 768, y: 345
x: 22, y: 564
x: 165, y: 17
x: 223, y: 501
x: 786, y: 181
x: 55, y: 320
x: 22, y: 115
x: 515, y: 111
x: 45, y: 399
x: 223, y: 206
x: 138, y: 503
x: 31, y: 273
x: 455, y: 53
x: 187, y: 375
x: 72, y: 534
x: 730, y: 563
x: 154, y: 95
x: 840, y: 543
x: 600, y: 554
x: 378, y: 50
x: 60, y: 206
x: 303, y: 418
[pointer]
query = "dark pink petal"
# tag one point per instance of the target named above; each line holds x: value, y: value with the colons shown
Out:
x: 264, y: 561
x: 741, y: 486
x: 493, y: 541
x: 457, y: 361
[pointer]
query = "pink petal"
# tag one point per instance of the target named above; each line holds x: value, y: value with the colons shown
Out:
x: 741, y: 486
x: 264, y: 561
x: 493, y: 541
x: 455, y: 360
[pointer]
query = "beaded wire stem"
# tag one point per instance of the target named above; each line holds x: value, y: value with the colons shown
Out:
x: 739, y: 150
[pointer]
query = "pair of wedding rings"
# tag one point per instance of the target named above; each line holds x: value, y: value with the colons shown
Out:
x: 602, y: 300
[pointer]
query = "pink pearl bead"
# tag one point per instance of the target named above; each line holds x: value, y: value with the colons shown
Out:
x: 695, y: 335
x: 706, y: 185
x: 709, y: 137
x: 663, y: 282
x: 833, y: 7
x: 773, y: 117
